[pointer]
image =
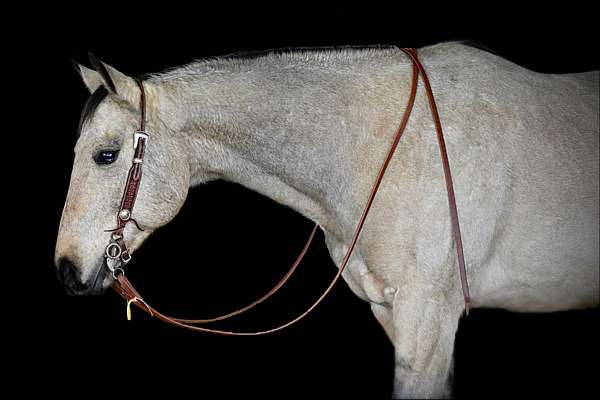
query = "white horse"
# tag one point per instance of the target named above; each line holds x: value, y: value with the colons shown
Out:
x: 309, y: 128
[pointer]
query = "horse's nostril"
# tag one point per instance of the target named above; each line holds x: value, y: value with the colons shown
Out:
x: 67, y: 274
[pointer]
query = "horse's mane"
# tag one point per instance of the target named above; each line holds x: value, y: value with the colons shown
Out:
x: 314, y: 54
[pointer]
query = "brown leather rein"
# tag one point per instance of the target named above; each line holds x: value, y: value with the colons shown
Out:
x: 117, y: 254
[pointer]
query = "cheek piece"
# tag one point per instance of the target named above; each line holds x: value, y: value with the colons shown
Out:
x: 116, y: 252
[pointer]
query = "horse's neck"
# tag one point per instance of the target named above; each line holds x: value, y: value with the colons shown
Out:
x: 309, y: 136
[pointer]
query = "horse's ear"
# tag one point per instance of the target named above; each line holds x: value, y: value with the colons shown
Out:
x: 116, y: 82
x: 91, y: 78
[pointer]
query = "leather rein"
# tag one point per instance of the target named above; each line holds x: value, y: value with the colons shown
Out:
x: 117, y: 254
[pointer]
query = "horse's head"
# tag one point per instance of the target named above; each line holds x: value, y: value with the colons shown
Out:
x: 103, y: 156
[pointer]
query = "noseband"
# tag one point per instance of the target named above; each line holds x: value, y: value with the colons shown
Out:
x: 117, y: 254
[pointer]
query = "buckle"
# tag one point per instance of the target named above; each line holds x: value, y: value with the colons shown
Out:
x: 137, y: 136
x: 125, y: 256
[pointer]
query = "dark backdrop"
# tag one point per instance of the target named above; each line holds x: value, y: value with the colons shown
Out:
x: 228, y: 245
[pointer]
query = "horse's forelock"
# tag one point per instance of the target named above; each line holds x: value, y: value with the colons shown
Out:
x: 90, y: 106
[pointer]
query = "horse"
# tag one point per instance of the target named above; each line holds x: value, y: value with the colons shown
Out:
x: 309, y: 127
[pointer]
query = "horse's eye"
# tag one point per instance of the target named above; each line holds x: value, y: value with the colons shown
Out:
x: 106, y: 157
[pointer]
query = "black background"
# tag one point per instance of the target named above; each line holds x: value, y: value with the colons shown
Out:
x: 229, y: 245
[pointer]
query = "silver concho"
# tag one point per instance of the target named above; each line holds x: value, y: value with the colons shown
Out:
x: 124, y: 214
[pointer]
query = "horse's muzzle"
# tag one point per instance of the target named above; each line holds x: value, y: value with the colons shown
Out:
x: 70, y: 278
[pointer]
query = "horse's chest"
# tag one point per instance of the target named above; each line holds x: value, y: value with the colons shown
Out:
x: 364, y: 282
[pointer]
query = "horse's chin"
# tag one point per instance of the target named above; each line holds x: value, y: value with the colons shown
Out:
x: 103, y: 280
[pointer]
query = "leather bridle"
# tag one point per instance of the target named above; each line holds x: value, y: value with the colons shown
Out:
x: 116, y: 251
x: 117, y: 254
